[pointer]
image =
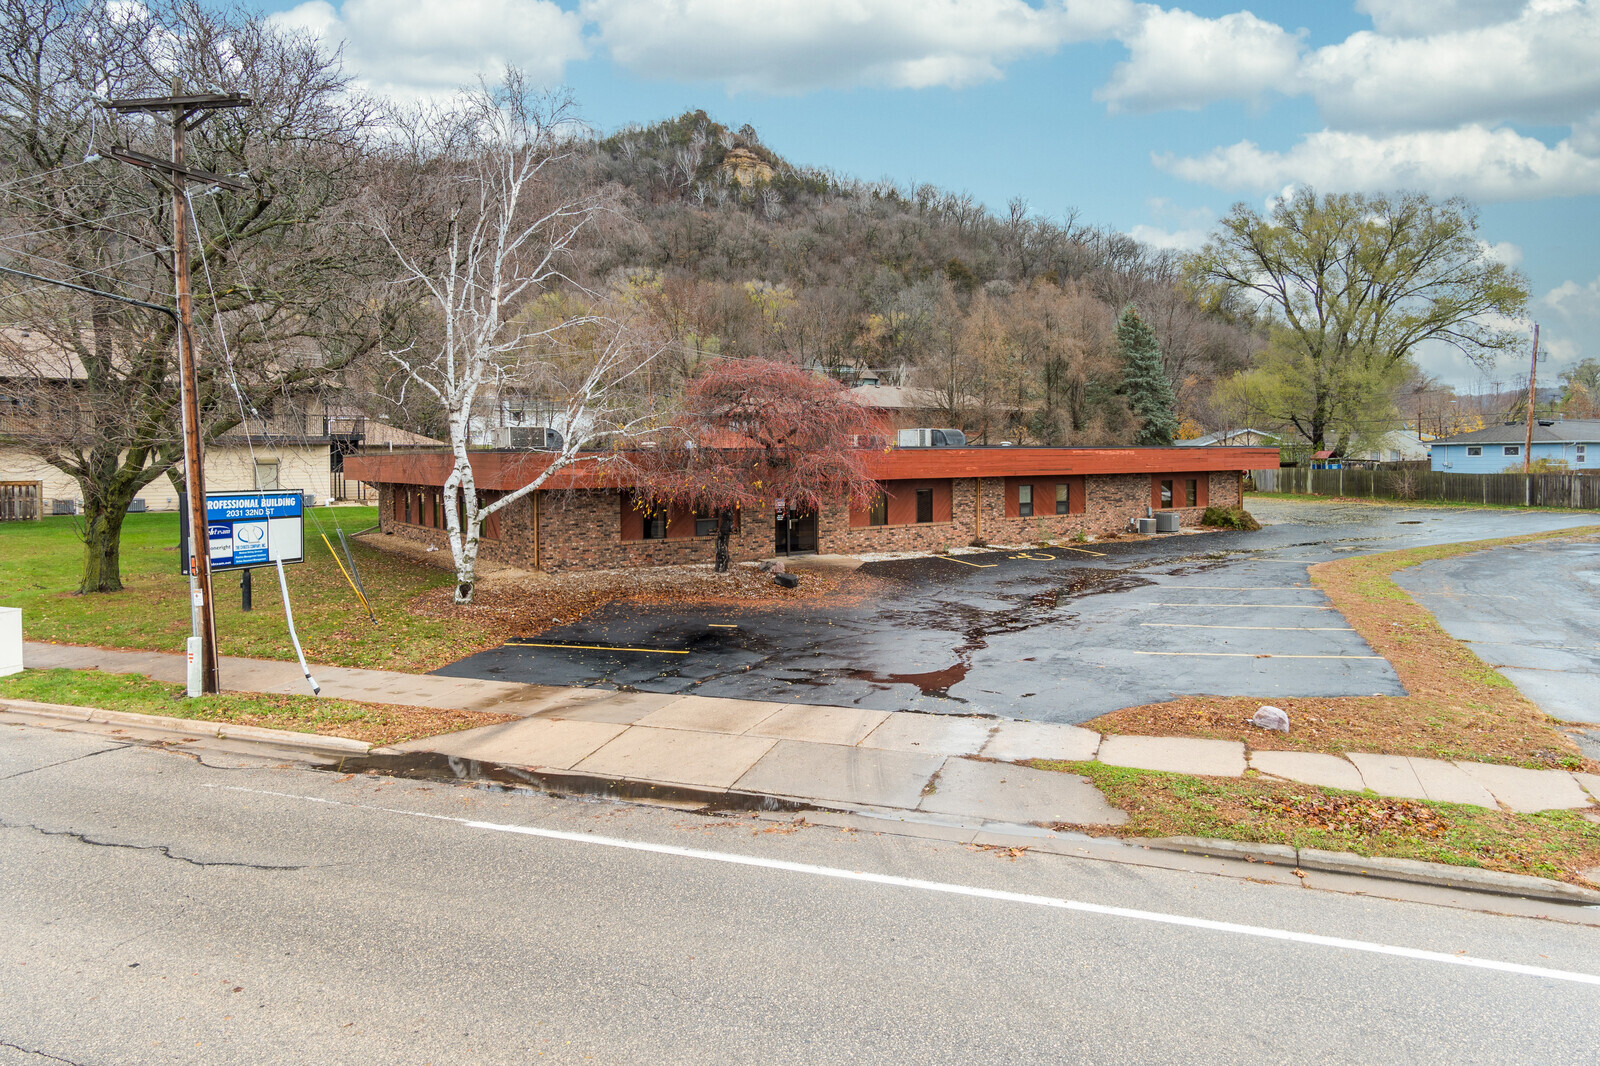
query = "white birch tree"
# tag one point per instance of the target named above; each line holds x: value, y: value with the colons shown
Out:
x: 486, y: 213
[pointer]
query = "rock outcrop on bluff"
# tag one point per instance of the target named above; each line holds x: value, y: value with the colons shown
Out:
x: 745, y: 167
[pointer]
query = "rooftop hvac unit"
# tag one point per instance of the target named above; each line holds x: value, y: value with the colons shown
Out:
x: 932, y: 438
x: 537, y: 438
x: 1166, y: 521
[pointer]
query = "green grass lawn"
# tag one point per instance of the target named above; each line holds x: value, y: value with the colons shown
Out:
x: 377, y: 723
x: 1558, y: 844
x: 40, y: 564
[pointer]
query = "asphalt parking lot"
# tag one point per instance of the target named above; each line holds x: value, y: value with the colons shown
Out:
x: 1532, y: 612
x: 1054, y: 634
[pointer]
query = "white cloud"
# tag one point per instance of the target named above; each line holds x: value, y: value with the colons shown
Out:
x: 1180, y: 60
x: 415, y: 48
x: 1411, y: 18
x: 1471, y: 161
x: 1543, y: 66
x: 1181, y: 240
x: 1571, y: 299
x: 1504, y: 252
x: 797, y: 45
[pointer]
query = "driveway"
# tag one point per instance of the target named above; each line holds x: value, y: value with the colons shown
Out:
x: 1059, y: 635
x: 1533, y: 612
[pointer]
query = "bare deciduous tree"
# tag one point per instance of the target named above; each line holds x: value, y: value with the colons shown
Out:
x: 278, y: 294
x: 485, y: 211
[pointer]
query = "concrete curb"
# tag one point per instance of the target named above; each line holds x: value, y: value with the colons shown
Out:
x: 1381, y: 868
x: 308, y: 743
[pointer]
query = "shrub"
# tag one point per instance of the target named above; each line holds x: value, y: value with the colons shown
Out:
x: 1229, y: 518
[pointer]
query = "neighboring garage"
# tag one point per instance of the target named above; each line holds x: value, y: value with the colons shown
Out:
x: 931, y: 499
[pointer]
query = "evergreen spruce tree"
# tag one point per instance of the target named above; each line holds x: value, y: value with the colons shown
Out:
x: 1144, y: 381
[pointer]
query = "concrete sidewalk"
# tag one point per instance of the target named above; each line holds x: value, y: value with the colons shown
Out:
x: 902, y: 764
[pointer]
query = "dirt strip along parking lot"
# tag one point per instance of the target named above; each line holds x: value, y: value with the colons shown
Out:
x: 1047, y: 634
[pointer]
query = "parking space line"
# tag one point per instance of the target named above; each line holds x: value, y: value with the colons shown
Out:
x: 1086, y: 551
x: 1248, y: 588
x: 963, y: 562
x: 1298, y: 629
x: 1277, y: 606
x: 721, y: 625
x: 597, y: 647
x: 1254, y: 655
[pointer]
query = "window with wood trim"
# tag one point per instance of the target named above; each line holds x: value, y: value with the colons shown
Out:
x: 878, y: 512
x: 1063, y: 497
x: 655, y: 525
x: 1191, y: 492
x: 705, y: 523
x: 924, y: 505
x: 1166, y: 492
x: 1025, y: 501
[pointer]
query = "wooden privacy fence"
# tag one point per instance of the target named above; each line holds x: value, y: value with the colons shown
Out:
x: 1414, y: 481
x: 21, y: 500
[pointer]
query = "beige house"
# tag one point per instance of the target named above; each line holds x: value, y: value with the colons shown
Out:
x: 299, y: 444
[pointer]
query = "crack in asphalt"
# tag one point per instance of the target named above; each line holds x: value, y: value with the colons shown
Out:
x: 63, y: 762
x: 42, y: 1054
x: 162, y: 849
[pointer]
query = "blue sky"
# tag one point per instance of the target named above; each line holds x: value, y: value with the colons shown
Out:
x: 1147, y: 118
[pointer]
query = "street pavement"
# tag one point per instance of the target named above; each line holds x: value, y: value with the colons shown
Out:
x: 1531, y: 611
x: 163, y: 906
x: 1060, y: 634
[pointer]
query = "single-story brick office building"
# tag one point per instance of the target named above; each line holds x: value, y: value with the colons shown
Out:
x: 932, y: 498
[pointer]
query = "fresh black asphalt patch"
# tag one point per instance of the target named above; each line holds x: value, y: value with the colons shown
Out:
x: 1046, y: 634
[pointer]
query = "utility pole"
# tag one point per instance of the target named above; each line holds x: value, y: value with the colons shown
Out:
x: 183, y: 112
x: 1533, y: 374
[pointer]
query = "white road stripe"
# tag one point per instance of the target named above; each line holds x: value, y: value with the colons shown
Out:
x: 963, y: 890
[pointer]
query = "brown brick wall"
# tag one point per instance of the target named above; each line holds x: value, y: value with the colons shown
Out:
x: 583, y: 529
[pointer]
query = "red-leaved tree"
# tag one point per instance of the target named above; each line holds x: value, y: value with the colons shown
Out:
x: 751, y: 431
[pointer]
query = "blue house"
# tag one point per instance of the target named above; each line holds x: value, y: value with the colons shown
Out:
x: 1499, y: 448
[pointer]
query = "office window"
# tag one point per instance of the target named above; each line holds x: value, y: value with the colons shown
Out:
x: 1166, y: 493
x: 1063, y: 497
x: 1025, y: 501
x: 655, y: 526
x: 878, y: 512
x: 1191, y: 492
x: 266, y: 475
x: 924, y: 505
x: 1513, y: 449
x: 405, y: 496
x: 705, y: 524
x: 1473, y: 449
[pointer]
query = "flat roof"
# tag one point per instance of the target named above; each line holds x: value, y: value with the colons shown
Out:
x: 509, y: 470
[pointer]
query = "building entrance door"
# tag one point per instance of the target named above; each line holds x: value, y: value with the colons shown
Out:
x: 796, y: 534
